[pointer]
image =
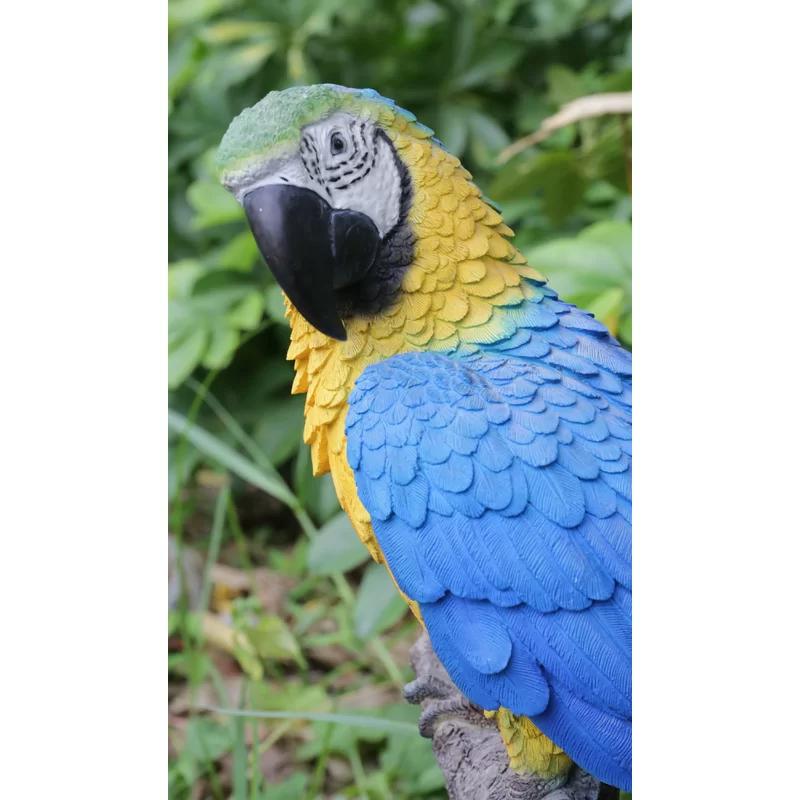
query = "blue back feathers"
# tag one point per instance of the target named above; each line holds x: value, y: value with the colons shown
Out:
x: 499, y: 486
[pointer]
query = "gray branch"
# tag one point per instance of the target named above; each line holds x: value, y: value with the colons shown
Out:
x: 468, y: 746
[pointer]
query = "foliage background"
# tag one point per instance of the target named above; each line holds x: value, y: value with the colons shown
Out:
x: 273, y: 607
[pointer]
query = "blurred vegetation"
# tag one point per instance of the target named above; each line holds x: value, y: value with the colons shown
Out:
x: 273, y: 605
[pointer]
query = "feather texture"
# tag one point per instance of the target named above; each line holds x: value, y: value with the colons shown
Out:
x: 496, y: 474
x: 504, y: 525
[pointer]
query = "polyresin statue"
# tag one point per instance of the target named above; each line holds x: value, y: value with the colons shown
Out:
x: 477, y: 428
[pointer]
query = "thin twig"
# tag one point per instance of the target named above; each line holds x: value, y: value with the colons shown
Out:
x: 592, y: 105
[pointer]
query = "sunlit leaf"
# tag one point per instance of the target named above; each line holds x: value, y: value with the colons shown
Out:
x: 228, y: 67
x: 185, y: 12
x: 608, y: 307
x: 234, y: 30
x: 592, y: 270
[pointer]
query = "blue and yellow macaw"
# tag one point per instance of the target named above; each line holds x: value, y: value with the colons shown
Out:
x: 477, y: 428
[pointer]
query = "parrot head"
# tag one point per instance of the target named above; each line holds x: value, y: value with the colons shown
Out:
x: 326, y: 196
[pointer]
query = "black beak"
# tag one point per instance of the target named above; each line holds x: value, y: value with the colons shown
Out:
x: 312, y: 249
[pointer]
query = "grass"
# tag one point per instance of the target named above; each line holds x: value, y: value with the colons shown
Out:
x: 273, y: 692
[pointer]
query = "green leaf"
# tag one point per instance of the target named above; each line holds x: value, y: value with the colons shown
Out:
x: 182, y: 277
x: 316, y: 494
x: 378, y: 603
x: 608, y: 307
x: 593, y: 270
x: 556, y: 18
x: 337, y: 548
x: 275, y: 306
x: 353, y: 719
x: 211, y: 309
x: 221, y: 348
x: 562, y: 184
x: 247, y: 313
x: 185, y: 12
x: 452, y: 128
x: 290, y: 789
x: 555, y: 176
x: 411, y: 763
x: 228, y: 67
x: 240, y: 253
x: 185, y: 353
x: 625, y: 330
x: 212, y: 203
x: 614, y: 235
x: 207, y: 740
x: 583, y: 267
x: 280, y: 428
x: 496, y: 63
x: 234, y: 30
x: 224, y: 455
x: 245, y: 653
x: 288, y: 701
x: 564, y: 84
x: 184, y: 61
x: 273, y: 641
x: 487, y: 138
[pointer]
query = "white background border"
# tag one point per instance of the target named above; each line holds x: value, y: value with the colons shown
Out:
x: 717, y: 333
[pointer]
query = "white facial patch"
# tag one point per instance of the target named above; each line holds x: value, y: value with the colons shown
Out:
x: 349, y: 164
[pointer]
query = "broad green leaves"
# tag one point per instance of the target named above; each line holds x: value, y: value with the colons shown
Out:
x: 593, y: 270
x: 206, y: 326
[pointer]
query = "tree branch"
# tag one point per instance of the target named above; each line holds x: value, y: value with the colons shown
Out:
x: 468, y: 746
x: 593, y: 105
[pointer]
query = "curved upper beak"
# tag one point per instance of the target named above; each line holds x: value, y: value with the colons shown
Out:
x: 312, y: 249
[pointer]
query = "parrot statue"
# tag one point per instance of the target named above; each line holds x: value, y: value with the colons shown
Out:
x: 476, y: 427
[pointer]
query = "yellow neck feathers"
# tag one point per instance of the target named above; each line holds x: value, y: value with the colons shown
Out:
x: 465, y: 271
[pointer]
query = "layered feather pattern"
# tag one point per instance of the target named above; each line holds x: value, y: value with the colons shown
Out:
x: 496, y: 474
x: 498, y: 484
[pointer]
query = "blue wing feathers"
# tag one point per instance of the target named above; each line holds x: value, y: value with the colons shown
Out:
x: 499, y: 488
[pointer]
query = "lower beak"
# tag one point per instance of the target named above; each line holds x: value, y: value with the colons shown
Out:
x: 312, y: 249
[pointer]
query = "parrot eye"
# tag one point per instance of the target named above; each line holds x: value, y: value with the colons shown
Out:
x: 338, y: 144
